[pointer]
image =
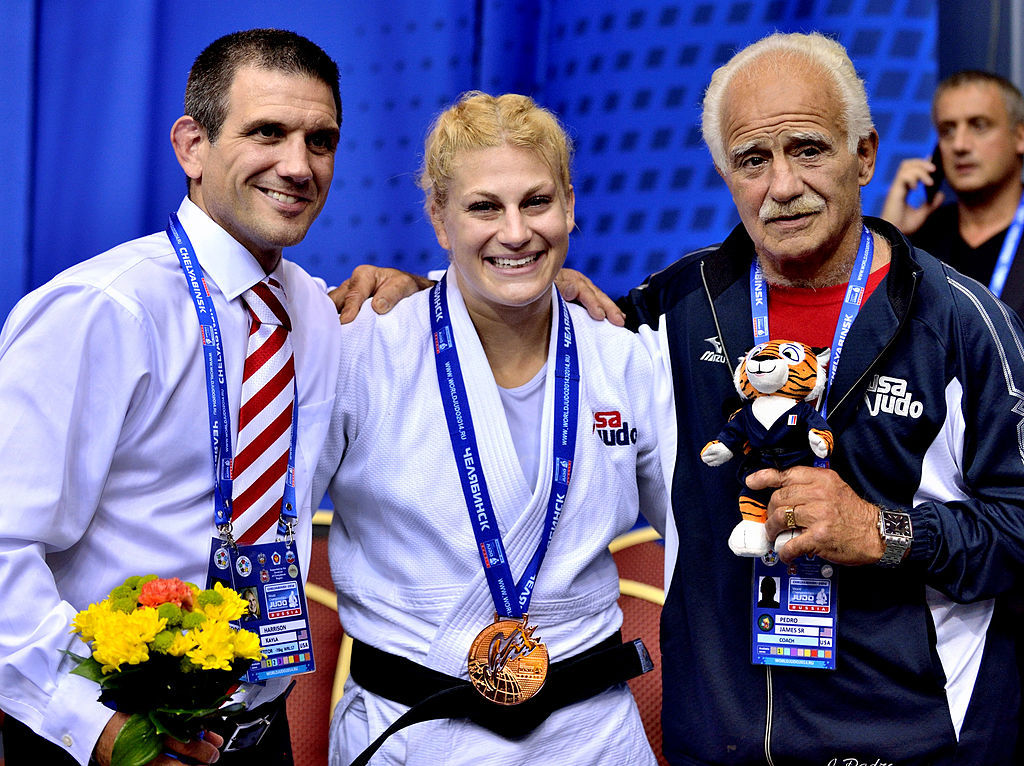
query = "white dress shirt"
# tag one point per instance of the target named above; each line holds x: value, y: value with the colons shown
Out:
x: 105, y: 458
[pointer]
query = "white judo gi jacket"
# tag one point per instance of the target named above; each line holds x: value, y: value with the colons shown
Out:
x: 403, y: 556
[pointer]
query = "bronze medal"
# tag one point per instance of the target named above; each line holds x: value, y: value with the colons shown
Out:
x: 507, y: 665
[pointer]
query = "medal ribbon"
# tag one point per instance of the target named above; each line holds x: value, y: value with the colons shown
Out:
x: 511, y: 599
x: 1007, y: 252
x: 217, y: 393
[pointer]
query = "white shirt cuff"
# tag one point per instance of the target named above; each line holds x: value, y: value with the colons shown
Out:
x: 75, y: 718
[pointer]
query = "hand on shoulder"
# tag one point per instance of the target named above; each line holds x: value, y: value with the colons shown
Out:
x: 385, y: 285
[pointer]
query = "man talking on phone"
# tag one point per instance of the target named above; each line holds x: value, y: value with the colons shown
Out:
x: 979, y: 117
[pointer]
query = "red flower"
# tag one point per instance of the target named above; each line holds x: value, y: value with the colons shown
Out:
x: 170, y: 591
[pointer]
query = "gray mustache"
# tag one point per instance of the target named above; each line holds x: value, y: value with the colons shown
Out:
x: 809, y: 202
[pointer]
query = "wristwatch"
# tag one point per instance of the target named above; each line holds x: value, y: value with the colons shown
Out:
x: 897, y: 534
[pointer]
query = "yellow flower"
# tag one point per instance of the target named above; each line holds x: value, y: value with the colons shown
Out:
x: 85, y: 621
x: 117, y: 652
x: 117, y: 641
x: 213, y: 649
x: 120, y: 637
x: 231, y: 606
x: 182, y: 644
x: 146, y: 622
x: 247, y: 644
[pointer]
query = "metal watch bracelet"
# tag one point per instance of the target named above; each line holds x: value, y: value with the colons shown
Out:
x: 897, y: 534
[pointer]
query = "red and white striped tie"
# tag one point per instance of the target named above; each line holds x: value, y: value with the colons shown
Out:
x: 264, y: 416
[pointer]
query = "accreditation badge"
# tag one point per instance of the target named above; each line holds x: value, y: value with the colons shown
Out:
x: 267, y: 576
x: 794, y: 613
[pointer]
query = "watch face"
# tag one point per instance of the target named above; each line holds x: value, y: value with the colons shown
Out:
x: 897, y: 524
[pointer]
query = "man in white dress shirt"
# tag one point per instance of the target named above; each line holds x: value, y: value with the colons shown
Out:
x: 105, y: 441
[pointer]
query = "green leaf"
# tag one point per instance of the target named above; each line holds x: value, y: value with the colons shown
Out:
x: 137, y: 743
x: 182, y: 725
x: 72, y: 655
x: 89, y: 668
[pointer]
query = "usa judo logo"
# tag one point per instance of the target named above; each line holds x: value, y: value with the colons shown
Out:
x: 890, y: 395
x: 613, y: 430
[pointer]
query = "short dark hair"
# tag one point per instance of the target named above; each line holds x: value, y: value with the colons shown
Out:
x: 1012, y: 97
x: 213, y: 71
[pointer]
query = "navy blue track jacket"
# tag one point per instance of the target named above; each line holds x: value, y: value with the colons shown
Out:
x: 928, y: 415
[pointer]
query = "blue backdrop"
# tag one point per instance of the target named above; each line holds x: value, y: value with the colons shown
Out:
x: 91, y: 90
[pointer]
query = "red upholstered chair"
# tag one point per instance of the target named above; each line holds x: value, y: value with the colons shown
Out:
x: 640, y: 556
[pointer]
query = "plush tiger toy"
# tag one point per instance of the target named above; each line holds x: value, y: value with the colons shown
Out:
x: 775, y: 428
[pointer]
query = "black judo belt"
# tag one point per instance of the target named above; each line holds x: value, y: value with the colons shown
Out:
x: 431, y: 695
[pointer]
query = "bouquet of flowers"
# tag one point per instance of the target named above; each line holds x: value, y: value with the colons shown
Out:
x: 165, y: 653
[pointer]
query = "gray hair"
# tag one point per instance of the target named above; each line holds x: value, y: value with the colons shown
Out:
x: 821, y: 51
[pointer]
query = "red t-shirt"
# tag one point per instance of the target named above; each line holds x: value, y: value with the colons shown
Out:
x: 810, y: 316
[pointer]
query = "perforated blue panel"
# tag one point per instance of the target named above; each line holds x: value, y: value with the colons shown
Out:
x: 630, y: 82
x: 627, y: 79
x: 399, y: 67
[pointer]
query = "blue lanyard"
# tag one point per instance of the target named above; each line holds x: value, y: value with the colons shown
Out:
x: 511, y: 599
x: 851, y: 306
x: 217, y: 393
x: 1008, y: 252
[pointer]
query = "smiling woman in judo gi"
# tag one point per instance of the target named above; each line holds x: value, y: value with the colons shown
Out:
x: 488, y: 442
